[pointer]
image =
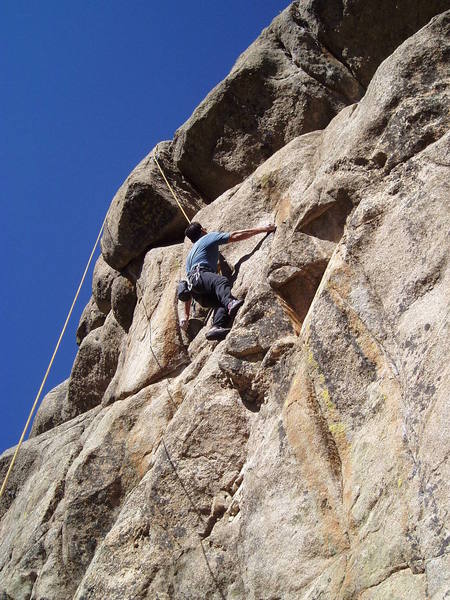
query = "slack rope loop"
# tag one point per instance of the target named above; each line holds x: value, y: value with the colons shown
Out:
x: 170, y: 188
x: 5, y: 481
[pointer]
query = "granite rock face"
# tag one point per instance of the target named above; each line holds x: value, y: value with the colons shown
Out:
x: 306, y: 455
x: 315, y: 58
x: 284, y: 85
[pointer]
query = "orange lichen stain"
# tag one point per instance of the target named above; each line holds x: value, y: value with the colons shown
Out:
x: 306, y: 432
x: 283, y: 209
x: 335, y: 425
x: 371, y: 348
x: 290, y: 313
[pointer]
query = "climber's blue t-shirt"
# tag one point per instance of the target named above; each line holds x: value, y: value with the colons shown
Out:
x: 205, y: 251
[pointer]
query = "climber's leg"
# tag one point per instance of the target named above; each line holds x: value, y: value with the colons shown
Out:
x: 216, y: 286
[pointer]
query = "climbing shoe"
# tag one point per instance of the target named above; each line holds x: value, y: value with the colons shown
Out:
x: 217, y: 333
x: 234, y: 306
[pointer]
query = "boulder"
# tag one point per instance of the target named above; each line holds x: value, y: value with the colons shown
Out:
x: 315, y: 58
x: 102, y: 280
x: 284, y: 85
x: 49, y: 414
x: 93, y: 369
x: 144, y: 212
x: 123, y: 301
x: 361, y: 34
x: 91, y: 318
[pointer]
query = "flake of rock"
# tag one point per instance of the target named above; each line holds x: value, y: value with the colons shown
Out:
x: 94, y: 368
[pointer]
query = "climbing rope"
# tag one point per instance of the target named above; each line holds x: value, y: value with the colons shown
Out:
x: 162, y: 441
x: 174, y: 407
x: 5, y: 481
x: 169, y: 186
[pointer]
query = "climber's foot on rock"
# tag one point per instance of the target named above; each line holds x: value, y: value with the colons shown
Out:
x: 217, y: 333
x: 234, y: 306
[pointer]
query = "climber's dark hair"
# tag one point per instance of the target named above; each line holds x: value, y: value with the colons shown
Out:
x: 194, y: 231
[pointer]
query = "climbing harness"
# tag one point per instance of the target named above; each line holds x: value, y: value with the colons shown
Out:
x: 194, y: 275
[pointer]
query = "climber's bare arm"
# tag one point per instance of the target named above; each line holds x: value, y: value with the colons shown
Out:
x: 187, y: 308
x: 187, y: 311
x: 244, y: 234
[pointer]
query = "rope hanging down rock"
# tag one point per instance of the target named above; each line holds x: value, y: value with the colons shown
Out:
x: 162, y: 441
x: 169, y: 186
x: 5, y: 481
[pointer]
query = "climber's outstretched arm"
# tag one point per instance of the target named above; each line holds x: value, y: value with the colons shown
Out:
x: 185, y: 319
x: 243, y: 234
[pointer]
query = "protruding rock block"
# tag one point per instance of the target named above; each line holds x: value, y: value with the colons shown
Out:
x: 315, y: 58
x: 102, y: 280
x: 49, y: 414
x: 91, y: 318
x: 144, y: 212
x: 284, y: 85
x: 362, y: 33
x: 94, y: 367
x: 123, y: 301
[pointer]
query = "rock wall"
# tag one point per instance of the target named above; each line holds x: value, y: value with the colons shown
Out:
x: 305, y: 456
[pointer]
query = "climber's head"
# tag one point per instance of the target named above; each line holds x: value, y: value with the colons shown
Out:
x: 194, y: 231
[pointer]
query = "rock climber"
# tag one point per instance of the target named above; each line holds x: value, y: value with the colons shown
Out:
x: 201, y: 273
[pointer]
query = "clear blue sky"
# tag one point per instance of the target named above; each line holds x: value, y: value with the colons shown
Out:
x: 87, y: 90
